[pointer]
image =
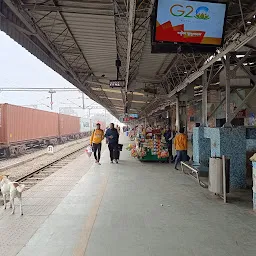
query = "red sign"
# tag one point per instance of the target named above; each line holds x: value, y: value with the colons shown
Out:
x: 241, y: 114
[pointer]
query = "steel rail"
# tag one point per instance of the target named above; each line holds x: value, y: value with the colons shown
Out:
x: 29, y: 175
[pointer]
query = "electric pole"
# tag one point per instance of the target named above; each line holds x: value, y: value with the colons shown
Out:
x: 83, y: 100
x: 51, y: 92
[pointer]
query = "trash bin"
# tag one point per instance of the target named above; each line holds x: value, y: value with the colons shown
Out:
x: 216, y: 176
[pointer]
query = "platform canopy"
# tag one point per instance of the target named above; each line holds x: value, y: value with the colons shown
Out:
x: 82, y: 39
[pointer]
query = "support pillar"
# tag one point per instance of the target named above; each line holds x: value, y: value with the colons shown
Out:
x: 177, y: 113
x: 204, y: 100
x: 228, y: 76
x: 170, y: 118
x: 185, y: 116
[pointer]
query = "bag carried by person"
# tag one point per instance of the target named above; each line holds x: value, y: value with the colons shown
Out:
x: 120, y: 147
x: 89, y: 150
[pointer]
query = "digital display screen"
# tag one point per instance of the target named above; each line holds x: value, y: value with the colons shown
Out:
x: 134, y: 116
x: 116, y: 83
x: 191, y: 22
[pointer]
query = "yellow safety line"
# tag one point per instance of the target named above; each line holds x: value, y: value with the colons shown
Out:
x: 82, y: 245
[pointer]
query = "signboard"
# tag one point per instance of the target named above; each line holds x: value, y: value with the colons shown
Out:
x: 133, y: 116
x: 128, y: 118
x: 117, y: 83
x: 192, y: 22
x: 241, y: 114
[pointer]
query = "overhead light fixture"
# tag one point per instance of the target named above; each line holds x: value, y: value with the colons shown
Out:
x: 250, y: 64
x: 96, y: 89
x: 217, y: 83
x: 115, y: 91
x: 105, y: 90
x: 136, y: 93
x: 115, y: 99
x: 139, y: 101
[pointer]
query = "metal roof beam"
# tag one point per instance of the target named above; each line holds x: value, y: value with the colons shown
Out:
x: 36, y: 32
x: 67, y: 9
x: 131, y: 19
x: 81, y: 54
x: 140, y: 31
x: 50, y: 53
x: 239, y: 42
x: 197, y: 61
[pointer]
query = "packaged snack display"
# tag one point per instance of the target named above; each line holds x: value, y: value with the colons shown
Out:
x: 150, y: 146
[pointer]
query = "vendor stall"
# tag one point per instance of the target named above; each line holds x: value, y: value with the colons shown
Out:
x: 150, y: 146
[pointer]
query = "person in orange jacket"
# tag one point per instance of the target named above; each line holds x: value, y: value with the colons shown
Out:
x: 95, y: 141
x: 181, y: 146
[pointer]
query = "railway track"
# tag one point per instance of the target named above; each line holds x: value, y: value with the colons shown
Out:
x: 31, y: 179
x: 34, y: 150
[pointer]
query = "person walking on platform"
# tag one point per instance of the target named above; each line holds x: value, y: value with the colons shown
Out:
x: 118, y: 129
x: 96, y: 139
x: 113, y: 137
x: 181, y: 146
x: 169, y: 135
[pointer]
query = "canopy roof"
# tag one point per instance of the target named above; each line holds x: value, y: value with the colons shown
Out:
x: 82, y: 39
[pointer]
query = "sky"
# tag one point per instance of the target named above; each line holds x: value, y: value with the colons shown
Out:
x: 20, y: 69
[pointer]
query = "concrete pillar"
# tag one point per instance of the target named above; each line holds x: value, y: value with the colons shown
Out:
x: 186, y: 116
x: 177, y: 113
x: 227, y: 69
x: 204, y: 100
x: 170, y: 117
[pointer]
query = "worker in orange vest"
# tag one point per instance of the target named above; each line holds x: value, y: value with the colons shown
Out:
x: 181, y: 146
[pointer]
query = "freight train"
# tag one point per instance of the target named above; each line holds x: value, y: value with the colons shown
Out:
x: 25, y: 128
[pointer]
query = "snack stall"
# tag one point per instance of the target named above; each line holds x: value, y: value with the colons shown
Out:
x: 150, y: 146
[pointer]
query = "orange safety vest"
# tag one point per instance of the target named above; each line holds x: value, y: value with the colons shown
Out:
x: 97, y: 136
x: 181, y: 142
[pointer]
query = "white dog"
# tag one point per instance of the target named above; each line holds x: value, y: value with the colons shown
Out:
x: 13, y: 189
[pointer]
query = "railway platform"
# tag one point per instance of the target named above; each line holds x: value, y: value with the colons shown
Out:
x: 130, y: 208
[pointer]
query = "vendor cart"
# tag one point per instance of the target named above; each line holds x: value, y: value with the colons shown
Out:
x: 149, y: 157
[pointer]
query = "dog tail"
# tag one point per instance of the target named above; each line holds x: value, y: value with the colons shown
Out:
x: 20, y: 188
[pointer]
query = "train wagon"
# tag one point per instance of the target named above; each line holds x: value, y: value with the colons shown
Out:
x: 22, y: 127
x: 25, y: 128
x: 69, y: 127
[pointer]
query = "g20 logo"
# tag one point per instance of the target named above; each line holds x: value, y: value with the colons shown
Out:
x: 202, y: 13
